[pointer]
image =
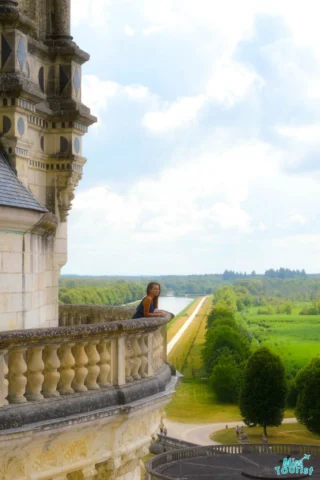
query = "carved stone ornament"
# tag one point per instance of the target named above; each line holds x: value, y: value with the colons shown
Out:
x: 66, y: 185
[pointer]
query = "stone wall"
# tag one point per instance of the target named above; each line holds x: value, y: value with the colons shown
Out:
x: 30, y: 265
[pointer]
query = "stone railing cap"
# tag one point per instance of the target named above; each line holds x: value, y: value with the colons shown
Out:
x: 16, y: 338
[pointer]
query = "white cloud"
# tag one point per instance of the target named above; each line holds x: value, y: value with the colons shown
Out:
x: 179, y: 114
x: 92, y: 13
x: 129, y: 31
x: 228, y: 216
x: 227, y: 187
x: 297, y: 219
x: 230, y: 81
x: 301, y: 133
x: 299, y: 240
x: 97, y: 93
x: 262, y: 227
x: 151, y: 30
x: 137, y: 92
x: 205, y: 191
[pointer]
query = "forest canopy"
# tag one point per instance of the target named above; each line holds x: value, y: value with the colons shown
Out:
x: 240, y: 289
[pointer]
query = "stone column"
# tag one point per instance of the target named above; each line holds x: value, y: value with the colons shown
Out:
x: 61, y: 19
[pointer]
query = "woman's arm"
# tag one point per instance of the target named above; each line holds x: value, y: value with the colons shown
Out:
x: 146, y: 308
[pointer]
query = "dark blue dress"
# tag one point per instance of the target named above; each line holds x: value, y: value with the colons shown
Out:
x: 139, y: 313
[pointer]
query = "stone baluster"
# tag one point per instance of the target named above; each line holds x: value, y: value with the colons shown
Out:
x: 164, y: 338
x: 66, y: 369
x: 144, y: 357
x: 81, y: 371
x: 160, y: 346
x: 93, y: 367
x: 136, y: 360
x: 17, y: 378
x: 3, y: 378
x: 104, y: 364
x: 150, y: 342
x: 63, y: 319
x: 129, y: 361
x: 157, y: 348
x: 155, y: 352
x: 35, y: 375
x: 51, y: 374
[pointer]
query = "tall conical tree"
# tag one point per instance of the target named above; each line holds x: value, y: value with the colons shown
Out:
x: 264, y: 389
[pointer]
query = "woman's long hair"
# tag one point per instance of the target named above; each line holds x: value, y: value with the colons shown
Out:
x: 149, y: 287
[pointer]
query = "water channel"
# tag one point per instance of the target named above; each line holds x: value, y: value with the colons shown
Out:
x: 174, y: 304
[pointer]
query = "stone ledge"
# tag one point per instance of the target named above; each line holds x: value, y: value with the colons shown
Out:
x: 10, y: 339
x: 52, y: 411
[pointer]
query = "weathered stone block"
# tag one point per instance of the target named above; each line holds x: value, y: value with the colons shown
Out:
x: 10, y: 242
x: 8, y: 321
x: 12, y: 262
x: 10, y: 283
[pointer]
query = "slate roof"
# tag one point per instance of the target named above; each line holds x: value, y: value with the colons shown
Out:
x: 12, y: 191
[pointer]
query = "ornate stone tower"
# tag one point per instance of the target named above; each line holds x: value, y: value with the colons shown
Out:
x: 42, y: 122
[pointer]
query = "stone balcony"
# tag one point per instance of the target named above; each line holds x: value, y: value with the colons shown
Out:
x: 102, y: 371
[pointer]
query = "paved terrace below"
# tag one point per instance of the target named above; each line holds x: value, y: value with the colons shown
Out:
x: 233, y: 462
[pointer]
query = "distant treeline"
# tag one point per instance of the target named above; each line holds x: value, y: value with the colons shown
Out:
x: 117, y: 293
x: 246, y: 290
x: 271, y: 273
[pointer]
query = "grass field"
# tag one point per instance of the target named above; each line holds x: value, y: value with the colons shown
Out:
x: 194, y: 401
x: 286, y: 433
x: 296, y: 338
x: 183, y: 351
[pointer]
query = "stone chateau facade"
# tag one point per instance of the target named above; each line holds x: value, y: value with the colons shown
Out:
x: 82, y: 389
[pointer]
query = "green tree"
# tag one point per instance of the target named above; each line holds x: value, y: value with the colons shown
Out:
x: 225, y: 379
x: 225, y: 297
x: 308, y: 401
x: 218, y: 313
x: 224, y: 337
x: 264, y: 390
x: 292, y: 393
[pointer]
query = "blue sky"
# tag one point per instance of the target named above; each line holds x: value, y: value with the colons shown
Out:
x: 206, y: 153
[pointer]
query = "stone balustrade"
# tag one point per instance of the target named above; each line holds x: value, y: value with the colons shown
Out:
x: 71, y: 362
x: 70, y: 315
x: 154, y: 465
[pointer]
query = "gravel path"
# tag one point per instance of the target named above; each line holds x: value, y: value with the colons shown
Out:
x: 199, y: 433
x: 184, y: 327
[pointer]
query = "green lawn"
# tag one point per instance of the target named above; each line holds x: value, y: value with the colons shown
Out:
x: 296, y: 338
x: 194, y: 401
x: 286, y: 433
x: 182, y: 354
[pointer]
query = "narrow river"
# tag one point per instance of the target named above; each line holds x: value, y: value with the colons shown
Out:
x: 174, y: 304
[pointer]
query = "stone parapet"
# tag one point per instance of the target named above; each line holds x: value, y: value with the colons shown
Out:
x: 45, y: 363
x: 70, y: 315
